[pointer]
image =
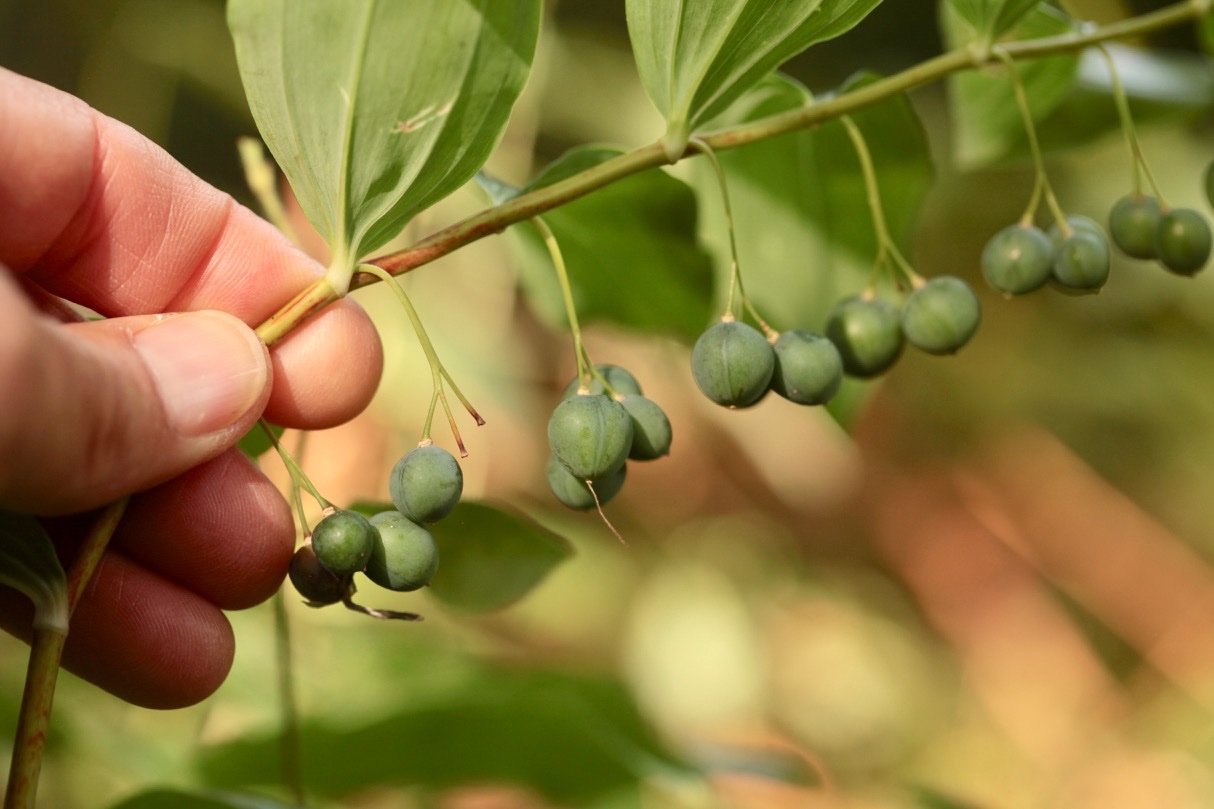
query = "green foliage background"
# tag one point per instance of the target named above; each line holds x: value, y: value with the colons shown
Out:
x: 770, y: 604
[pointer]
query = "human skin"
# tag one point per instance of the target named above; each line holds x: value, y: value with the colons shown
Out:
x: 150, y: 404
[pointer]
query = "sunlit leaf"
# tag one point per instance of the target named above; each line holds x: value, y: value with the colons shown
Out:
x: 497, y: 190
x: 28, y: 563
x: 569, y: 737
x: 376, y: 110
x: 805, y: 237
x: 197, y: 799
x: 490, y: 557
x: 695, y: 58
x: 986, y: 120
x: 256, y: 442
x: 991, y: 18
x: 631, y: 250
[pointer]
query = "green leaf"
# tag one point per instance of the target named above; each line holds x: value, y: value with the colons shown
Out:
x: 256, y: 443
x: 490, y: 557
x: 992, y: 18
x: 570, y: 737
x: 376, y: 110
x: 986, y: 120
x: 695, y: 58
x: 806, y: 190
x: 498, y: 191
x: 29, y: 564
x: 1205, y: 32
x: 197, y: 799
x: 631, y: 251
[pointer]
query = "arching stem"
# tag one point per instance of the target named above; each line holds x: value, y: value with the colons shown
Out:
x: 438, y: 374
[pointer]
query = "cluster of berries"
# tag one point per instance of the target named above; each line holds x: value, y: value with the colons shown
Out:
x: 392, y: 548
x: 1022, y: 257
x: 595, y: 430
x: 735, y: 366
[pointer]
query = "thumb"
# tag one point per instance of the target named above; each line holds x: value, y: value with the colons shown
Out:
x: 95, y: 411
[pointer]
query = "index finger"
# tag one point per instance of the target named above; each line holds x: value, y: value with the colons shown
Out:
x: 99, y: 215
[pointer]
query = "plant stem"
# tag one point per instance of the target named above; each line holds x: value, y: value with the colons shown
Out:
x: 437, y: 372
x: 259, y: 176
x: 529, y: 205
x: 299, y: 479
x: 46, y: 650
x: 737, y: 300
x: 1139, y: 161
x: 526, y: 206
x: 1041, y: 185
x: 308, y: 302
x: 292, y: 764
x: 585, y: 366
x: 90, y: 553
x: 886, y: 248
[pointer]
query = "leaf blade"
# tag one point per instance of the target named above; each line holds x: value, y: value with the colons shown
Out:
x: 29, y: 564
x: 490, y: 557
x: 695, y: 59
x: 376, y: 110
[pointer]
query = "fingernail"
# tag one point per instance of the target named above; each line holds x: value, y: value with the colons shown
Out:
x: 209, y: 369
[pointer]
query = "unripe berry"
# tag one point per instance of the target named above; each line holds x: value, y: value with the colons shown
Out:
x: 732, y: 364
x: 868, y: 334
x: 618, y: 378
x: 1133, y: 223
x: 426, y: 483
x: 808, y: 370
x: 941, y: 316
x: 405, y: 556
x: 1081, y: 263
x: 590, y: 435
x: 1183, y: 241
x: 575, y: 493
x: 651, y: 433
x: 1017, y: 259
x: 342, y: 541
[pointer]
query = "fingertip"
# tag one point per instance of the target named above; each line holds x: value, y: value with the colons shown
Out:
x: 222, y: 530
x: 326, y: 371
x: 141, y: 638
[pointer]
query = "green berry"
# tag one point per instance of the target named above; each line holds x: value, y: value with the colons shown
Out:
x: 590, y: 435
x: 405, y: 556
x: 651, y: 432
x: 1017, y: 259
x: 732, y: 364
x: 621, y: 381
x: 1133, y: 223
x: 941, y: 316
x: 342, y: 541
x: 1080, y: 223
x: 1081, y: 263
x: 868, y: 334
x: 426, y: 483
x: 575, y: 494
x: 808, y: 369
x: 1183, y: 241
x: 315, y: 582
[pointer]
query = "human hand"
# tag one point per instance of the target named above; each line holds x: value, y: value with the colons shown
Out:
x: 149, y: 404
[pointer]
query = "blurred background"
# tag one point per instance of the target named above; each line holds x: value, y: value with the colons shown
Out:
x: 987, y: 583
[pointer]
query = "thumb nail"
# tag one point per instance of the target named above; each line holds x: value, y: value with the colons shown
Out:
x: 209, y: 369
